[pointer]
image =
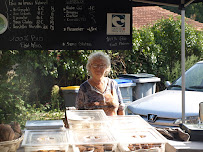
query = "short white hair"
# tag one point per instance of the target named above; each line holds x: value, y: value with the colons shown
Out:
x: 99, y: 55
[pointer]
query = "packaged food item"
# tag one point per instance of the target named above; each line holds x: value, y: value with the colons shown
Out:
x: 6, y: 133
x: 93, y: 141
x: 55, y: 140
x: 141, y: 140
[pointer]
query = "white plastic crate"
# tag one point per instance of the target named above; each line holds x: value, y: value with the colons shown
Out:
x: 137, y: 140
x: 86, y: 119
x: 44, y: 124
x: 93, y: 141
x: 46, y: 140
x: 127, y: 122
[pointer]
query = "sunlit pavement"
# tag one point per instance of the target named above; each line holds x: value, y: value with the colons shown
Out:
x: 180, y: 146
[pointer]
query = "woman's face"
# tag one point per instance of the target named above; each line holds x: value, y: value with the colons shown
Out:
x: 98, y: 68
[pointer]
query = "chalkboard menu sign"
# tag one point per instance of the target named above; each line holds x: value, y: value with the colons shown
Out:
x: 66, y: 24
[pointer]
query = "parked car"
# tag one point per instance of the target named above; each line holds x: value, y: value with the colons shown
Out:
x: 164, y: 108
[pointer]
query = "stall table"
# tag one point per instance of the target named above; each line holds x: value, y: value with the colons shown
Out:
x: 88, y: 129
x: 180, y: 146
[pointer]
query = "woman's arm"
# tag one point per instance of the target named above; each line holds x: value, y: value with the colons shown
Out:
x: 79, y: 103
x: 121, y: 108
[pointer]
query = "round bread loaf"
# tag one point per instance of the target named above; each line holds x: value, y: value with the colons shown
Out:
x: 6, y: 132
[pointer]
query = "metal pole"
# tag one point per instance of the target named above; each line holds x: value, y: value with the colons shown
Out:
x: 183, y: 61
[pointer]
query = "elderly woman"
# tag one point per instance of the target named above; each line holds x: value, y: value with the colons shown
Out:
x: 99, y: 91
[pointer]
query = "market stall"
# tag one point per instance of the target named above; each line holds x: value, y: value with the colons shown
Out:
x: 93, y: 131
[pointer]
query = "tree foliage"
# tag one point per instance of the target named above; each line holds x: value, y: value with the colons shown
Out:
x: 193, y: 11
x: 167, y: 33
x: 27, y: 78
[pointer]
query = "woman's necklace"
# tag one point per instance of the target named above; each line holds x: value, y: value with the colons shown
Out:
x: 100, y: 90
x: 100, y: 86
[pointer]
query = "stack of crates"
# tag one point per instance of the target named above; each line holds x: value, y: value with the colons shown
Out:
x: 93, y: 131
x: 89, y: 131
x: 134, y: 134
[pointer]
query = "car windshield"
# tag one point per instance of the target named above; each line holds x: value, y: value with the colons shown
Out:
x: 193, y: 79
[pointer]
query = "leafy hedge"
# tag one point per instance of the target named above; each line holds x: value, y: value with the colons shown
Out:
x: 29, y: 79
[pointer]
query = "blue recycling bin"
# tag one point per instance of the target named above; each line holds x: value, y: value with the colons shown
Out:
x: 126, y: 86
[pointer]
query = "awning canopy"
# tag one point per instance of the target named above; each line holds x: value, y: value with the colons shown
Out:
x: 175, y: 3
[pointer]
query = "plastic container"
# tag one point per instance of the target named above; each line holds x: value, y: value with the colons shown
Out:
x: 93, y: 141
x: 121, y: 122
x: 194, y: 130
x: 145, y: 84
x: 46, y: 140
x: 44, y: 124
x: 69, y: 95
x: 137, y: 140
x: 86, y: 119
x: 126, y: 86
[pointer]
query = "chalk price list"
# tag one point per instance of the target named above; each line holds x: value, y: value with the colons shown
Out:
x: 79, y: 16
x: 58, y: 24
x: 29, y: 14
